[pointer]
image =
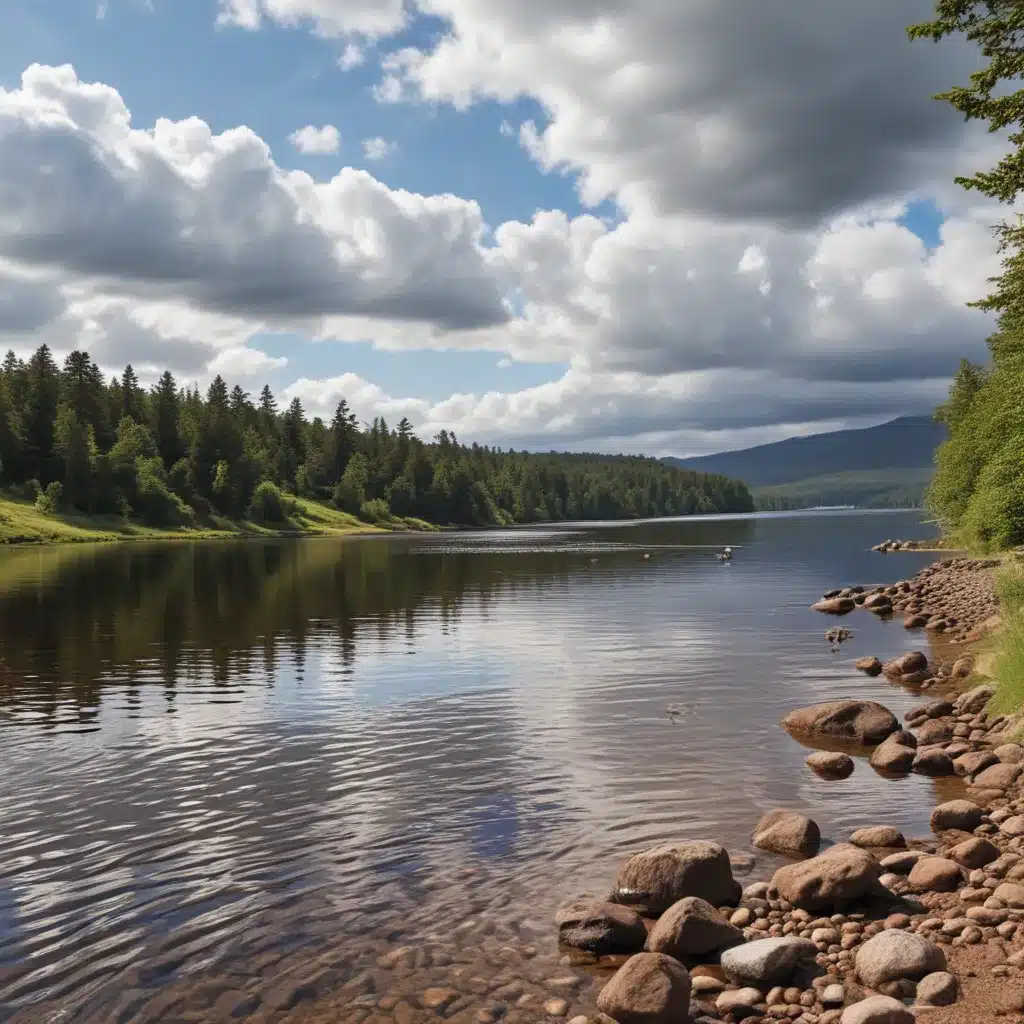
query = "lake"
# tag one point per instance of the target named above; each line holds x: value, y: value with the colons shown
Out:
x: 266, y: 780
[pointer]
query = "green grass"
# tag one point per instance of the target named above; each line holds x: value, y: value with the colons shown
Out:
x: 1004, y: 651
x: 22, y: 523
x: 870, y: 487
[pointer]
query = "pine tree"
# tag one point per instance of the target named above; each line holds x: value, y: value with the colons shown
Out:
x: 166, y: 412
x: 40, y: 415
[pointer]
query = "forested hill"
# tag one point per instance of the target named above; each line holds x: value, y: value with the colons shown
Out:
x: 905, y: 443
x: 171, y: 456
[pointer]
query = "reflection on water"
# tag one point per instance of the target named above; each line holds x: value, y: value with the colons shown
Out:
x: 223, y: 761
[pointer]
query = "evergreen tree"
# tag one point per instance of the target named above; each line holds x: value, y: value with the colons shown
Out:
x: 40, y: 415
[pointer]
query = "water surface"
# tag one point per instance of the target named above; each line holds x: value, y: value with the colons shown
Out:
x: 225, y: 762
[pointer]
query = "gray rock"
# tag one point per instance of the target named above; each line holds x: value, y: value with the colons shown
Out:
x: 692, y: 927
x: 877, y: 1010
x: 841, y: 875
x: 655, y: 879
x: 738, y: 998
x: 894, y: 955
x: 973, y: 701
x: 833, y: 995
x: 601, y: 928
x: 767, y: 962
x: 939, y: 989
x: 956, y: 814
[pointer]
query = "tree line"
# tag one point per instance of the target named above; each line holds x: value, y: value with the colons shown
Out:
x: 172, y: 456
x: 978, y: 488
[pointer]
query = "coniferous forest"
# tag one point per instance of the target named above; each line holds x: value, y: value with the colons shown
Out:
x: 172, y: 456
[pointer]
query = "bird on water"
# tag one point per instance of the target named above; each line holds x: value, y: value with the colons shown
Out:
x: 836, y: 636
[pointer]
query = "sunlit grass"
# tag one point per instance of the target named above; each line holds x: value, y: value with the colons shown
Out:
x: 1007, y: 659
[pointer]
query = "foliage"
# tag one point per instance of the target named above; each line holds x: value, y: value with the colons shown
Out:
x: 978, y: 491
x: 895, y: 488
x: 170, y: 456
x: 52, y: 498
x: 269, y: 505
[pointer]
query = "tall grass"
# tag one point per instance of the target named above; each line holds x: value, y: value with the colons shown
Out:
x: 1008, y: 662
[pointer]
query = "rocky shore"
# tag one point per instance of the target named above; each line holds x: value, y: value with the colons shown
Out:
x: 876, y: 928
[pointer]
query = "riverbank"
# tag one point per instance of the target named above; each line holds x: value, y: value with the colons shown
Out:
x: 23, y: 523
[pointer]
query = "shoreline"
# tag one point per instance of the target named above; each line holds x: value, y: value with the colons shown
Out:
x: 876, y: 922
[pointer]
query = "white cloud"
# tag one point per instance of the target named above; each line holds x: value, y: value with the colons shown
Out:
x: 313, y: 141
x: 244, y: 362
x: 328, y: 18
x: 378, y: 148
x: 351, y: 57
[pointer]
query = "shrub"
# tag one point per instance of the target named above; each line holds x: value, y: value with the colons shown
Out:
x: 375, y: 511
x: 269, y: 505
x: 51, y: 499
x: 154, y: 503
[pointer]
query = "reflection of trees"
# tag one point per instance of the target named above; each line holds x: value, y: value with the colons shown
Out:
x: 72, y: 616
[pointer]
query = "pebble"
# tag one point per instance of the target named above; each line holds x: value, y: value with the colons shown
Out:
x: 556, y: 1008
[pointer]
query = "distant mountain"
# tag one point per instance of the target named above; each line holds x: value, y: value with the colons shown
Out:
x: 890, y: 464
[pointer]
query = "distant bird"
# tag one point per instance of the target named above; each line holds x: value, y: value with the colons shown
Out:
x: 837, y: 635
x: 726, y: 555
x: 646, y: 555
x: 674, y: 711
x: 593, y: 560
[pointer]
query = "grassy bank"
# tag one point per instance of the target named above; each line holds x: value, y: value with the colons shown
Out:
x: 1003, y: 653
x: 22, y: 523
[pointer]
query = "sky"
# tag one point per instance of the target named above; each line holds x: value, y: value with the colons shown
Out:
x: 654, y: 226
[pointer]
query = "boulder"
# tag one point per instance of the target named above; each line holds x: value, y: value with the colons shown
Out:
x: 999, y: 776
x: 738, y: 999
x: 895, y: 954
x: 914, y: 620
x: 830, y: 765
x: 788, y: 833
x: 870, y: 666
x: 892, y: 756
x: 939, y: 989
x: 961, y: 815
x: 864, y: 721
x: 652, y: 881
x: 968, y: 765
x: 602, y: 928
x: 767, y: 962
x: 835, y: 605
x: 692, y: 927
x: 974, y: 701
x: 901, y: 863
x: 974, y: 853
x: 936, y: 874
x: 878, y: 835
x: 1012, y: 894
x: 649, y: 988
x: 878, y: 603
x: 1010, y: 753
x: 877, y: 1010
x: 906, y: 664
x: 933, y: 762
x: 934, y: 730
x: 840, y: 876
x: 1013, y: 826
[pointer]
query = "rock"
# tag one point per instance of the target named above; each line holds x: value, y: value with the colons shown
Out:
x: 439, y: 998
x: 974, y: 701
x: 767, y: 961
x: 877, y: 1010
x: 933, y: 762
x: 956, y: 814
x: 893, y: 756
x: 652, y: 881
x: 692, y: 927
x: 835, y: 605
x: 705, y: 984
x: 744, y: 998
x: 829, y: 765
x: 894, y: 955
x: 939, y: 989
x: 833, y: 995
x: 602, y: 928
x: 1010, y: 753
x: 878, y: 835
x: 906, y: 664
x: 841, y: 875
x: 974, y: 853
x: 1013, y: 826
x: 870, y: 666
x: 936, y: 874
x: 901, y: 863
x: 788, y: 833
x: 1011, y: 894
x: 864, y: 721
x: 556, y: 1008
x: 999, y: 776
x: 878, y: 603
x: 968, y: 765
x: 934, y: 730
x: 649, y: 988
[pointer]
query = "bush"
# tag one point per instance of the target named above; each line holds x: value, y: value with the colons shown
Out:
x: 51, y: 499
x: 269, y: 505
x: 375, y: 511
x: 201, y: 506
x: 154, y: 503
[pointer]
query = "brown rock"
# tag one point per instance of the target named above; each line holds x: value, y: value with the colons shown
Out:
x: 936, y: 874
x: 830, y: 765
x: 649, y: 988
x: 877, y: 1010
x: 933, y: 762
x: 865, y: 721
x: 835, y: 605
x: 1010, y: 753
x: 906, y: 664
x: 788, y: 833
x: 938, y: 989
x: 999, y: 776
x: 652, y: 881
x: 439, y: 998
x: 841, y: 875
x: 956, y: 814
x: 878, y: 835
x: 602, y: 928
x: 974, y: 853
x: 870, y: 666
x: 1011, y: 894
x: 971, y: 763
x: 935, y: 730
x: 692, y: 927
x: 892, y: 756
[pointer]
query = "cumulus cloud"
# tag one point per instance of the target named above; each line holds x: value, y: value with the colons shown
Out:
x: 378, y: 148
x: 313, y: 141
x: 242, y: 361
x: 179, y: 212
x: 328, y: 18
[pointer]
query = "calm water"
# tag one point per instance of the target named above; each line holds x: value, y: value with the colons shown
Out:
x: 224, y: 760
